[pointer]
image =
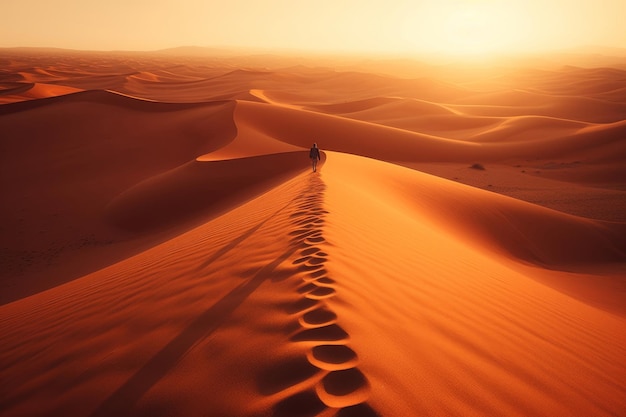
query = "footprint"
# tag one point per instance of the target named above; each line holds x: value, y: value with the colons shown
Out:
x: 301, y: 233
x: 315, y: 260
x: 311, y: 251
x: 319, y: 317
x: 313, y: 280
x: 330, y: 333
x: 318, y: 274
x: 301, y: 260
x: 321, y: 293
x: 303, y: 240
x: 310, y: 268
x: 343, y: 388
x: 325, y: 280
x: 307, y: 288
x: 307, y: 220
x: 314, y: 239
x: 300, y: 213
x: 333, y: 357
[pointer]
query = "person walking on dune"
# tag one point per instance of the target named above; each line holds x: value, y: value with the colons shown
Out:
x: 314, y: 154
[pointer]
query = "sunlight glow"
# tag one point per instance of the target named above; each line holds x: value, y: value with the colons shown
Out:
x: 468, y: 28
x: 452, y: 27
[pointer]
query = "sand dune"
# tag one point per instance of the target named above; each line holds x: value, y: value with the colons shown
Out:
x: 519, y: 229
x: 166, y: 250
x: 572, y: 108
x: 594, y: 82
x: 11, y: 88
x: 30, y: 91
x: 73, y: 155
x: 460, y: 335
x: 390, y: 106
x: 300, y: 127
x: 529, y: 128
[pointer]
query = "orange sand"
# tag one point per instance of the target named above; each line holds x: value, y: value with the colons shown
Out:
x: 167, y: 251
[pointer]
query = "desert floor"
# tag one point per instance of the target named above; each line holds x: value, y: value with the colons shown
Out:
x: 167, y: 251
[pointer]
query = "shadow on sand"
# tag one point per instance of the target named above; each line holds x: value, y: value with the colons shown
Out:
x: 121, y: 402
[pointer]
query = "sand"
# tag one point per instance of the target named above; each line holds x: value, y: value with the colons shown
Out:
x: 166, y: 249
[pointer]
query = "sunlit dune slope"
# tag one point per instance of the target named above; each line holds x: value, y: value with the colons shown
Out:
x: 524, y: 231
x: 430, y: 309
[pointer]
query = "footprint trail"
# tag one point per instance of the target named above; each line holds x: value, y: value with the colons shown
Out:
x: 338, y: 387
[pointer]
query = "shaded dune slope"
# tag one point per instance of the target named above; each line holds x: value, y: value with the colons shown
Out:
x: 191, y: 189
x: 109, y: 170
x: 74, y: 142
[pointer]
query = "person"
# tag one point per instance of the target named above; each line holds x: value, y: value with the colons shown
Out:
x: 314, y: 154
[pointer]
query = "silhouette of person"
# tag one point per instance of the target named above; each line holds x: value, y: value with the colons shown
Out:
x: 314, y: 154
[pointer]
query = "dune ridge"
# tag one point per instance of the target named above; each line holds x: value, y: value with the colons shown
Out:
x: 461, y: 250
x: 33, y: 91
x: 382, y: 142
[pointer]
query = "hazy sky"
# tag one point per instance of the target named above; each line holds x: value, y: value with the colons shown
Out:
x: 392, y: 26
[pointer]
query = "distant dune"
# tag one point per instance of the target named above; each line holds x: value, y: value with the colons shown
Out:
x: 166, y: 249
